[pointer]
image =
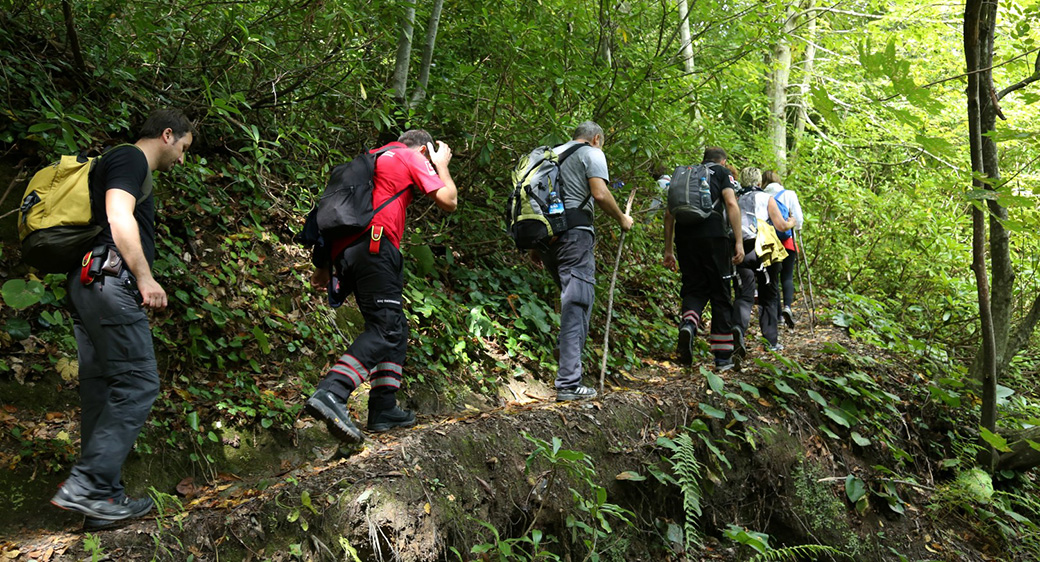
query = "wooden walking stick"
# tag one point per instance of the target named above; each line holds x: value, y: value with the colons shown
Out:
x: 811, y: 301
x: 610, y: 298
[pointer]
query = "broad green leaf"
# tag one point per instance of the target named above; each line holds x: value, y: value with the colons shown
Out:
x: 261, y: 340
x: 995, y: 441
x: 860, y: 440
x: 40, y: 127
x: 854, y: 488
x: 424, y: 259
x: 838, y: 416
x: 714, y: 381
x: 784, y: 387
x: 20, y: 294
x: 823, y: 103
x: 18, y: 328
x: 817, y: 397
x: 711, y: 411
x: 752, y: 390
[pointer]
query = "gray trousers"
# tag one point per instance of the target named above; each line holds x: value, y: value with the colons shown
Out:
x: 572, y: 263
x: 118, y: 379
x: 766, y: 284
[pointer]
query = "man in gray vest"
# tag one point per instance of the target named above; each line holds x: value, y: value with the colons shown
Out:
x: 570, y: 258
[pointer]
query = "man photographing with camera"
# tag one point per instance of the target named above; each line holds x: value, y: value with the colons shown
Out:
x: 370, y: 265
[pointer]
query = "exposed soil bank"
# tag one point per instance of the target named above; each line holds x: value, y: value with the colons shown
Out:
x: 420, y: 494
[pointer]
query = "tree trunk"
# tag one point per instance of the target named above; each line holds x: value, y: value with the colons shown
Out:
x: 684, y: 36
x: 975, y: 44
x: 73, y: 37
x: 427, y: 56
x: 1002, y: 271
x: 404, y: 54
x: 687, y: 53
x: 603, y: 53
x: 802, y: 113
x: 776, y: 89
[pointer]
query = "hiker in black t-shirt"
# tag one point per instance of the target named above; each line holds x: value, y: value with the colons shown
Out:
x: 706, y: 253
x: 118, y: 375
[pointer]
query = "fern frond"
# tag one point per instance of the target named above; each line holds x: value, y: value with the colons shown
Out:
x: 688, y: 473
x: 800, y: 552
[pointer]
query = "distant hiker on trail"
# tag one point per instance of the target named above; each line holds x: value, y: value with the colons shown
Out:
x: 706, y: 255
x: 763, y: 254
x: 570, y: 258
x: 370, y: 265
x: 790, y: 200
x: 118, y: 374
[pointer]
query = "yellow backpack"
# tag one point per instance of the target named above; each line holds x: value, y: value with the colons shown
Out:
x: 55, y: 221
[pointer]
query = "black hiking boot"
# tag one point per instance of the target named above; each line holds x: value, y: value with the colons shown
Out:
x: 386, y: 420
x: 739, y: 351
x: 327, y: 407
x: 72, y: 498
x: 685, y: 346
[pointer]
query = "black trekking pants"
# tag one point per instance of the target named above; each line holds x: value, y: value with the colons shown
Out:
x: 706, y: 268
x: 378, y: 354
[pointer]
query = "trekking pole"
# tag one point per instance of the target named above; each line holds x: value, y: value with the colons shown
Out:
x: 808, y: 275
x: 610, y: 298
x: 801, y: 283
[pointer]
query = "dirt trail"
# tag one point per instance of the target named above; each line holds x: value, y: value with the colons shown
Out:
x: 415, y: 494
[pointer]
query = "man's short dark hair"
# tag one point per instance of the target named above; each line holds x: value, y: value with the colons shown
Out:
x: 162, y: 119
x: 714, y: 154
x: 587, y: 131
x: 415, y: 137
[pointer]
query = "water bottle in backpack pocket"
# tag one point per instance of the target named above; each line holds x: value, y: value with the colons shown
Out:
x: 535, y: 212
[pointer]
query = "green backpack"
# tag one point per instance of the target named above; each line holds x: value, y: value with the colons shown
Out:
x: 55, y: 222
x: 535, y: 213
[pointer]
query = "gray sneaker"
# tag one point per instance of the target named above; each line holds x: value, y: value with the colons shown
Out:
x: 580, y: 392
x: 788, y: 317
x: 72, y: 498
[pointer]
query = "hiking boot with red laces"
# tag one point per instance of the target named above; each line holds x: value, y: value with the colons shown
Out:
x: 327, y: 407
x: 378, y: 422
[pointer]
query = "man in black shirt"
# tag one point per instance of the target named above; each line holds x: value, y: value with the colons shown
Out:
x: 118, y: 375
x: 706, y: 254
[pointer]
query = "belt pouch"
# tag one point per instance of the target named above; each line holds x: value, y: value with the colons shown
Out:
x: 377, y: 236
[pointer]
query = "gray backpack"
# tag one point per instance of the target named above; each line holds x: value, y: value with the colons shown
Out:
x: 689, y: 195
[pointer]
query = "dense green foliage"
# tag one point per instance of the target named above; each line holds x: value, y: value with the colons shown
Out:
x: 284, y: 89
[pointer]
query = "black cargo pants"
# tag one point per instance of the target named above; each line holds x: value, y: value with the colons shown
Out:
x: 118, y: 378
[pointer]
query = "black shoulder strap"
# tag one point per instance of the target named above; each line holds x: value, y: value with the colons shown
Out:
x: 567, y: 153
x: 375, y: 163
x: 559, y: 162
